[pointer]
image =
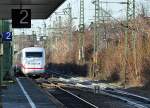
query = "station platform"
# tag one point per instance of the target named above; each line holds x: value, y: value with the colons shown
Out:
x: 25, y: 94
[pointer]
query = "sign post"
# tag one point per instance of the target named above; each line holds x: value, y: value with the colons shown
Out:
x: 1, y: 45
x: 7, y: 37
x: 1, y: 77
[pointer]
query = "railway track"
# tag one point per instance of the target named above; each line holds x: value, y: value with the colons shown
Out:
x: 70, y: 100
x: 65, y: 98
x: 132, y: 99
x: 130, y: 95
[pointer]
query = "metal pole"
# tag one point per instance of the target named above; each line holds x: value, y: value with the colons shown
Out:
x: 130, y: 24
x: 81, y: 30
x: 96, y: 29
x: 70, y: 26
x: 68, y: 11
x: 1, y: 55
x: 134, y: 42
x: 1, y: 78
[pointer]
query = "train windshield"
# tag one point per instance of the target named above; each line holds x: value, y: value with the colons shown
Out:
x: 33, y: 54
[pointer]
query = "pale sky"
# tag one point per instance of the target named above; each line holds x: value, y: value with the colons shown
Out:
x: 117, y: 11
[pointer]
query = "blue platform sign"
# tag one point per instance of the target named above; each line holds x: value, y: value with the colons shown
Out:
x: 7, y: 36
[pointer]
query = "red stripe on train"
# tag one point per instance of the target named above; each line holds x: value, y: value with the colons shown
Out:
x: 30, y: 68
x: 36, y: 68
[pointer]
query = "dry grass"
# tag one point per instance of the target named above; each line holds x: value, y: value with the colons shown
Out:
x: 111, y: 60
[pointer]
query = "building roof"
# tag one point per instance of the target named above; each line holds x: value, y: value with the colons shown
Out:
x: 40, y: 9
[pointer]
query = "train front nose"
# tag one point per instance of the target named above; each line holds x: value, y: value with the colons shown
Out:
x: 34, y: 66
x: 32, y: 63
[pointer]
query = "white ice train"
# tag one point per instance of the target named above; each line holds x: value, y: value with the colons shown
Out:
x: 31, y: 60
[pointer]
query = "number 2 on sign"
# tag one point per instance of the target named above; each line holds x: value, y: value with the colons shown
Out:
x: 25, y: 12
x: 8, y: 37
